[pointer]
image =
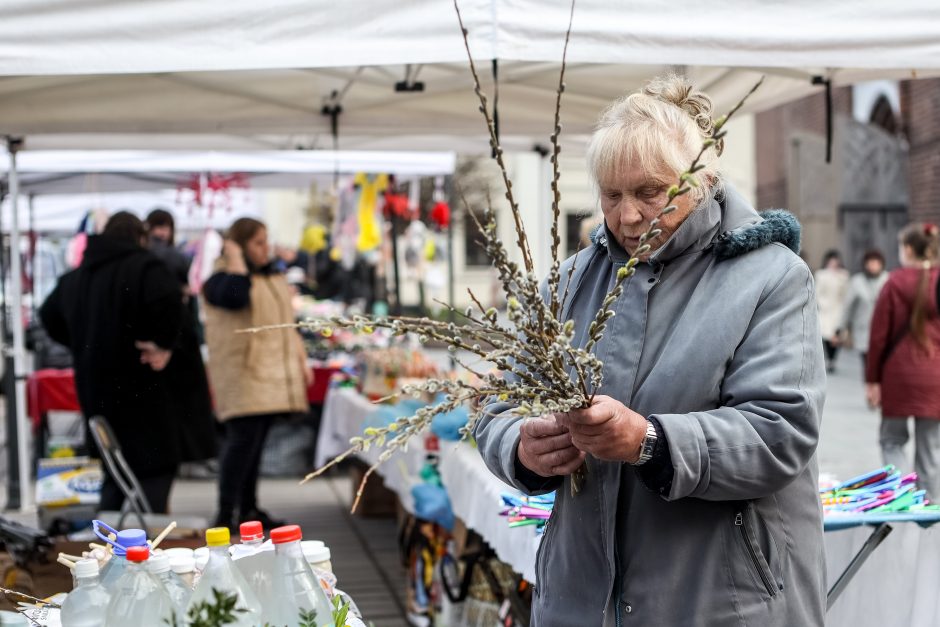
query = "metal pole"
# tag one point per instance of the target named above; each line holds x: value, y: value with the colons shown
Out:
x: 9, y: 388
x: 19, y: 351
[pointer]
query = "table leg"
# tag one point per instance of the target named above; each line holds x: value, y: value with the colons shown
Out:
x: 877, y: 537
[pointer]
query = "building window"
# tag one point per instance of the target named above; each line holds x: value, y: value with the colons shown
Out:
x: 475, y: 253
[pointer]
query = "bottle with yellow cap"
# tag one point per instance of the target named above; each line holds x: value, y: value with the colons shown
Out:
x: 221, y: 574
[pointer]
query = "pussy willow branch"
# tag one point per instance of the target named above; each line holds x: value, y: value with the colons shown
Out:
x: 553, y: 276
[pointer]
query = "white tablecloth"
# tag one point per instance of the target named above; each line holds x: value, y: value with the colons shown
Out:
x: 344, y: 415
x: 475, y: 496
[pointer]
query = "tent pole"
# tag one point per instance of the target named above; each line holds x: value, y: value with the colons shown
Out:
x: 19, y: 353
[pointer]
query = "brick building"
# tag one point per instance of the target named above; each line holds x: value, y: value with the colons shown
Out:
x: 884, y: 171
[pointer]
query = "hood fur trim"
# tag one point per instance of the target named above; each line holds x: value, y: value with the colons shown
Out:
x: 776, y: 225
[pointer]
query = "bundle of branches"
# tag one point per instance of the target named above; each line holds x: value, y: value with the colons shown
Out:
x: 540, y: 371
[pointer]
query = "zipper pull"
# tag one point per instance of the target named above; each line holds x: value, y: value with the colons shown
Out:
x: 738, y: 519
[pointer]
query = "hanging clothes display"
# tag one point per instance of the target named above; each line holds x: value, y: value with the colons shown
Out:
x: 370, y: 231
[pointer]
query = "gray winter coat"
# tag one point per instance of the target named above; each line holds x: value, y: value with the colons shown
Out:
x: 717, y: 337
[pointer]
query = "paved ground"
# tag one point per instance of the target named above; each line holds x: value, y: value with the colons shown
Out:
x: 365, y: 550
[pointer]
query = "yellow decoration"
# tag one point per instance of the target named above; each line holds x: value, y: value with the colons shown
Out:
x: 429, y: 249
x: 370, y: 232
x: 313, y: 239
x: 335, y: 254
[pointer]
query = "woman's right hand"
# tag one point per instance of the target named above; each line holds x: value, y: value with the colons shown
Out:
x: 873, y: 395
x: 546, y: 449
x: 234, y: 258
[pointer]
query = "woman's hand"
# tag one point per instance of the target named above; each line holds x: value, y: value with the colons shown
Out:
x: 873, y: 395
x: 234, y: 258
x: 608, y: 430
x: 545, y: 448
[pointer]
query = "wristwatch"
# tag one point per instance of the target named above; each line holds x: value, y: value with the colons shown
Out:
x: 647, y: 445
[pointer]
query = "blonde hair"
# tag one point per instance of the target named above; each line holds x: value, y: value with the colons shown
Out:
x: 662, y: 126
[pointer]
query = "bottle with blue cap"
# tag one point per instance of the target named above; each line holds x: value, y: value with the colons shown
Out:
x: 123, y: 540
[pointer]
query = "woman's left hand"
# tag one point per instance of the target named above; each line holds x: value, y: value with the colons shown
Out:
x: 608, y: 430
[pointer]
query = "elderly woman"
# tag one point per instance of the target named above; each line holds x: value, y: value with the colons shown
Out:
x: 700, y: 502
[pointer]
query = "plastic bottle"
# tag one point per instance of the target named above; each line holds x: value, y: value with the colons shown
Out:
x: 317, y: 555
x: 159, y: 567
x: 116, y: 566
x: 294, y: 586
x: 185, y: 569
x: 252, y: 539
x: 221, y: 574
x: 86, y: 604
x: 139, y: 599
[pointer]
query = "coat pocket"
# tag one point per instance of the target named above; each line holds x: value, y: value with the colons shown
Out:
x: 746, y: 524
x: 541, y: 578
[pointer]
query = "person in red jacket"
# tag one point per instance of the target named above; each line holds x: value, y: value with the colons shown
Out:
x: 903, y: 365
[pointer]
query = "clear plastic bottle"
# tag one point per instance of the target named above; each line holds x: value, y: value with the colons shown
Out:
x: 221, y: 574
x: 159, y: 567
x: 116, y: 566
x: 139, y: 599
x: 255, y: 559
x: 86, y: 604
x: 185, y: 569
x: 294, y: 586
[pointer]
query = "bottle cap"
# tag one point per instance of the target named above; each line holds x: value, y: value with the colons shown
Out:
x: 158, y: 563
x: 289, y: 533
x: 182, y: 565
x: 86, y: 568
x: 138, y: 553
x: 251, y: 531
x: 218, y: 536
x: 315, y: 552
x: 128, y: 538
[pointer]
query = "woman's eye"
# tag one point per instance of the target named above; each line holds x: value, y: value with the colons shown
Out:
x: 648, y: 192
x: 612, y: 195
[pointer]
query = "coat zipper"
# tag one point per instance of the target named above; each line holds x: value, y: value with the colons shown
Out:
x: 752, y: 550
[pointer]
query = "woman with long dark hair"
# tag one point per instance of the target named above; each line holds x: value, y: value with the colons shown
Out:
x: 903, y: 366
x: 256, y: 377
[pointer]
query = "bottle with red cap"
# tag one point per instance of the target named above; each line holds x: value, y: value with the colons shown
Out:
x: 294, y: 587
x: 254, y: 558
x: 139, y: 598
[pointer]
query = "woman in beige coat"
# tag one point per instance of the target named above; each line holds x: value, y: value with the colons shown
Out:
x: 256, y: 377
x: 832, y: 283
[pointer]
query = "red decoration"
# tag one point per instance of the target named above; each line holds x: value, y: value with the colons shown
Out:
x: 398, y: 205
x: 212, y: 190
x: 440, y: 214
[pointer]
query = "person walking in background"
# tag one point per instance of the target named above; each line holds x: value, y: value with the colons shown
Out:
x: 191, y: 401
x: 903, y: 365
x: 256, y: 377
x: 120, y: 313
x: 832, y: 281
x: 864, y: 288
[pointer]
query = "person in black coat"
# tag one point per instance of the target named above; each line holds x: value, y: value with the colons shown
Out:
x: 120, y: 313
x: 191, y: 401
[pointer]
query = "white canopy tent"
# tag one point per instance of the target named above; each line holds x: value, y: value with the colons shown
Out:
x: 241, y: 74
x: 287, y: 73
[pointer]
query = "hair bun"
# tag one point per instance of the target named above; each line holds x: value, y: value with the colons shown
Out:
x: 679, y: 91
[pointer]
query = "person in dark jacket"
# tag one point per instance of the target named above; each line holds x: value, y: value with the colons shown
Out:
x: 120, y: 314
x: 191, y: 401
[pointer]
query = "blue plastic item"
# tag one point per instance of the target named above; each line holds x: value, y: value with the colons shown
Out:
x: 125, y: 539
x: 433, y: 504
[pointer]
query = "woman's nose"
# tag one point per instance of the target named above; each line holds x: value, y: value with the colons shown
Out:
x: 629, y: 214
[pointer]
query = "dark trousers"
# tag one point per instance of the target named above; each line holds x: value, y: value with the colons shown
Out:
x: 156, y: 489
x: 240, y: 462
